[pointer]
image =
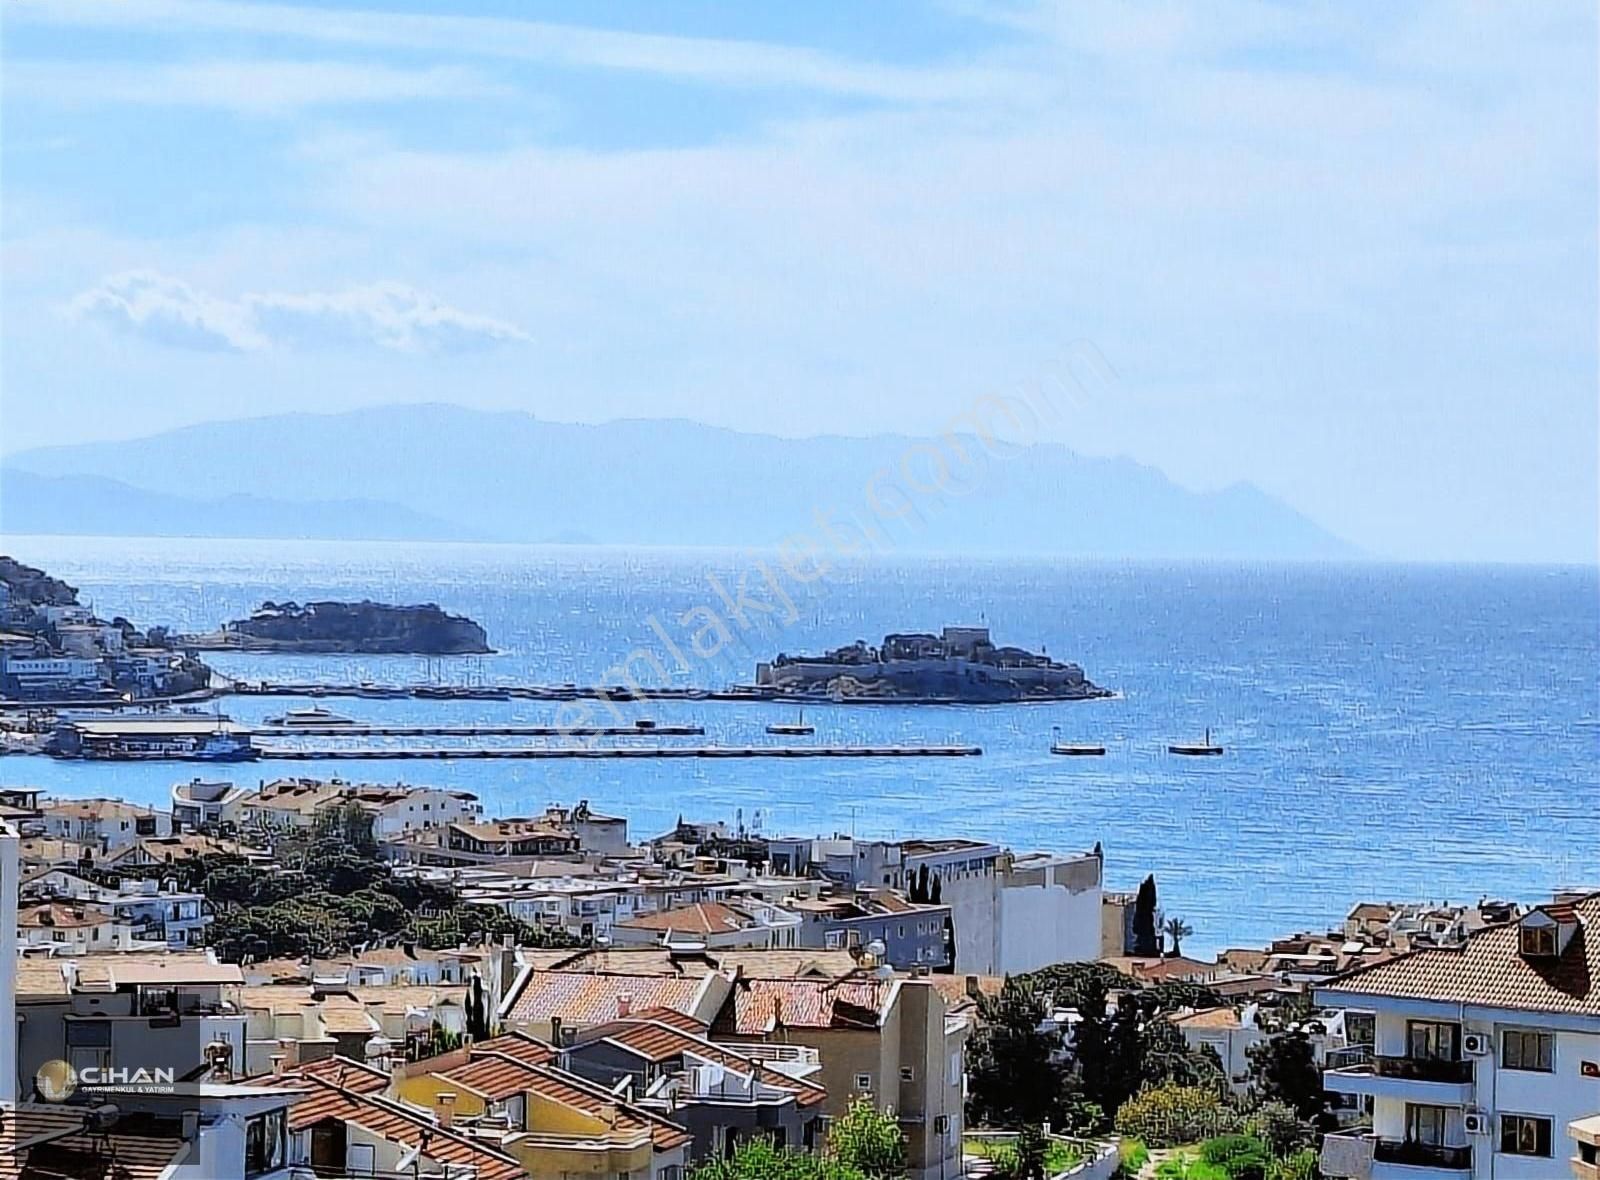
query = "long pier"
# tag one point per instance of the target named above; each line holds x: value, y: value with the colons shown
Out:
x: 495, y: 692
x: 288, y: 753
x: 362, y: 729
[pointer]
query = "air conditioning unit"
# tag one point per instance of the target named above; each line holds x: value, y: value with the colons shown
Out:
x: 1476, y: 1044
x: 1475, y: 1122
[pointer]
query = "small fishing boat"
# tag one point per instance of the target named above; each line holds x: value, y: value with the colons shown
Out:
x: 1072, y: 749
x: 792, y: 728
x: 1191, y: 751
x: 315, y: 717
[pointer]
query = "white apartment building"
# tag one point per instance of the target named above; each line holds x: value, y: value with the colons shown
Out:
x: 104, y: 824
x: 1012, y: 912
x: 1484, y: 1053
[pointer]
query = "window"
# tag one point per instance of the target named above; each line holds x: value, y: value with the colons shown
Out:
x: 863, y: 1081
x: 1430, y: 1040
x: 833, y: 940
x: 264, y: 1140
x: 1528, y: 1050
x: 1539, y: 940
x: 1522, y: 1134
x: 1361, y: 1028
x: 1425, y: 1124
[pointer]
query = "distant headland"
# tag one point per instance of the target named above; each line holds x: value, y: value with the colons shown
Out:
x: 365, y: 627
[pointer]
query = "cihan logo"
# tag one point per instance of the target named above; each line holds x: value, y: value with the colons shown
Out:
x: 57, y: 1081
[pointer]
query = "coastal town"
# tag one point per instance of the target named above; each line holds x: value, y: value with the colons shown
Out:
x: 303, y: 976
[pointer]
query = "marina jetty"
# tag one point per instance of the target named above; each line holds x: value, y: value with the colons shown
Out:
x: 362, y: 628
x: 961, y: 665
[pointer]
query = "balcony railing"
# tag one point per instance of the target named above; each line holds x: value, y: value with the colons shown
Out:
x: 1348, y: 1058
x: 1422, y: 1155
x: 1422, y: 1069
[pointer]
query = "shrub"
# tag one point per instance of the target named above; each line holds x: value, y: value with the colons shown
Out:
x: 1302, y: 1165
x: 1132, y: 1155
x: 1241, y: 1157
x: 1167, y: 1115
x: 1184, y: 1167
x: 1283, y: 1130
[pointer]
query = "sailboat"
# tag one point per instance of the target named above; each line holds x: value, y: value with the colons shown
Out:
x: 1192, y: 751
x: 792, y: 728
x: 1072, y: 750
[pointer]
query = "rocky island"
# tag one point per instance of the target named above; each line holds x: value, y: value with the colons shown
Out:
x: 365, y: 628
x: 959, y: 665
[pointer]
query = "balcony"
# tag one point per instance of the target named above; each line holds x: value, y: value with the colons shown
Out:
x: 1364, y: 1156
x: 1415, y: 1079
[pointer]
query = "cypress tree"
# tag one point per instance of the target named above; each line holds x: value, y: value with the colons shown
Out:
x: 1145, y: 942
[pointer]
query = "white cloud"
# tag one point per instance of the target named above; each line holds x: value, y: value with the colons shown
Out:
x: 161, y: 308
x: 249, y: 87
x: 391, y: 315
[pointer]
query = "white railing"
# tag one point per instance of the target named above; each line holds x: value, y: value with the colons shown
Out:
x: 796, y: 1054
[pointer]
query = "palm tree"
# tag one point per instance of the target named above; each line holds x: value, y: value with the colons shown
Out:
x: 1177, y: 930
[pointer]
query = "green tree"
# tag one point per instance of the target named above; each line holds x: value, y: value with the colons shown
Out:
x: 868, y: 1141
x: 1145, y: 943
x: 1013, y: 1079
x: 1283, y: 1069
x: 758, y: 1159
x: 1282, y: 1129
x: 1170, y: 1114
x: 1176, y: 929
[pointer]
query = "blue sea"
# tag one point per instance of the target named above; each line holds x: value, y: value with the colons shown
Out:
x: 1392, y: 731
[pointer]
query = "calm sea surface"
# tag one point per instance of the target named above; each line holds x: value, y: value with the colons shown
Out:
x: 1391, y: 731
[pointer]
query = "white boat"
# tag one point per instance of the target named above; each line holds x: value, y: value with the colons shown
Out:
x: 315, y: 717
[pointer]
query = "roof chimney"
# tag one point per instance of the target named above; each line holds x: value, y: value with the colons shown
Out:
x: 624, y: 1005
x: 444, y: 1109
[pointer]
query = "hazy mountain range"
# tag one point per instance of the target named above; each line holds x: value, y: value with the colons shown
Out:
x: 436, y: 472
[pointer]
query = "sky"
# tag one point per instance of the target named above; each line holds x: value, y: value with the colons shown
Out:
x: 1346, y: 253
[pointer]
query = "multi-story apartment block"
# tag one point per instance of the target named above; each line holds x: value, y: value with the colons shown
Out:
x: 1484, y: 1053
x: 1011, y: 912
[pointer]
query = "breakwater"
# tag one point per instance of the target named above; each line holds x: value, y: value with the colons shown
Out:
x: 435, y: 752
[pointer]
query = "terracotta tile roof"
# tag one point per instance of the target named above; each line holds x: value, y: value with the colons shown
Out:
x: 595, y: 1101
x: 494, y: 1076
x: 706, y: 917
x: 29, y: 1123
x: 1371, y: 911
x: 657, y: 1041
x: 763, y: 1005
x: 397, y: 956
x: 755, y: 962
x: 94, y: 809
x: 397, y: 1124
x: 580, y: 999
x: 519, y: 1046
x: 671, y: 1016
x: 1208, y: 1018
x: 342, y: 1074
x: 86, y: 1157
x: 1487, y: 968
